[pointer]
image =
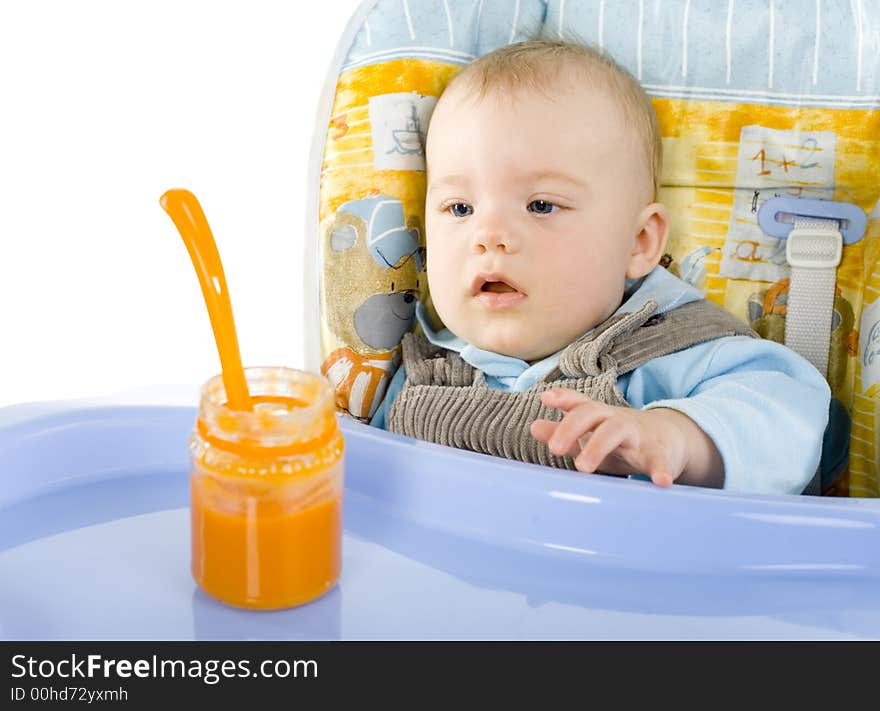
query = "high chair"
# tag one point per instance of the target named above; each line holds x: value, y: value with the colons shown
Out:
x: 769, y: 123
x: 755, y: 97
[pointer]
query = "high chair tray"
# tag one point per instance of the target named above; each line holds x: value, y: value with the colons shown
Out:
x: 438, y: 544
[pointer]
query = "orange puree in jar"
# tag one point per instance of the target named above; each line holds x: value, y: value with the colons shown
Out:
x: 266, y: 491
x: 266, y: 481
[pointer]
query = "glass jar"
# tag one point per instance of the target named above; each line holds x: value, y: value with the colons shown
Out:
x: 266, y: 491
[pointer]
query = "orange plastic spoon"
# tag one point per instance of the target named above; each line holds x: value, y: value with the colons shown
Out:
x: 186, y: 212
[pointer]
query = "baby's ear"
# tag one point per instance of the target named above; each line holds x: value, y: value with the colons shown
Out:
x: 650, y: 240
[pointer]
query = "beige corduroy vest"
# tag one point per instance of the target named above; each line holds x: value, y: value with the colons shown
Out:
x: 446, y: 401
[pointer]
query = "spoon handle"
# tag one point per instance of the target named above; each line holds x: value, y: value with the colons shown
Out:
x: 187, y: 215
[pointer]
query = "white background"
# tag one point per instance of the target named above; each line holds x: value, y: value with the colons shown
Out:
x: 104, y: 105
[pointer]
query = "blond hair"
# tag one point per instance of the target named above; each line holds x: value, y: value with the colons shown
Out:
x: 534, y: 64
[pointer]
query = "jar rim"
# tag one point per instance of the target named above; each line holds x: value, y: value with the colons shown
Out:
x: 278, y: 424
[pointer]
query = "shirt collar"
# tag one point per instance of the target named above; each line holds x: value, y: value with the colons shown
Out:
x: 494, y: 364
x: 659, y: 285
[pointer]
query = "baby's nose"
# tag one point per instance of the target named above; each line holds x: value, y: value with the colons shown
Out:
x: 494, y: 237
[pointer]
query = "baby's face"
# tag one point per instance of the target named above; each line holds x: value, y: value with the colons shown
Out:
x: 532, y: 212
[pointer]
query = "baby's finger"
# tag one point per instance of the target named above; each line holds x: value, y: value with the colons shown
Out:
x: 542, y: 430
x: 576, y: 423
x: 662, y: 477
x: 563, y: 398
x: 605, y: 440
x: 658, y: 469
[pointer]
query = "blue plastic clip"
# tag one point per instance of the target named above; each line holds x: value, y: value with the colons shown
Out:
x: 777, y: 215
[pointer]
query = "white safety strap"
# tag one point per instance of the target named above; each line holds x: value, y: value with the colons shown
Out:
x: 814, y: 248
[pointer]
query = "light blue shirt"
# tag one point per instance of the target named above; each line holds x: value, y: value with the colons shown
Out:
x: 764, y: 406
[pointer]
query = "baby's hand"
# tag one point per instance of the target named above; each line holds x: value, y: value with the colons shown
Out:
x: 621, y: 440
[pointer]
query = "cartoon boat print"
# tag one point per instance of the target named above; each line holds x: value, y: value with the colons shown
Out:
x: 409, y: 140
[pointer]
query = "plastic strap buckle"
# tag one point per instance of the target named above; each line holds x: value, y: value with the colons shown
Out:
x: 809, y: 248
x: 777, y: 216
x: 816, y: 231
x: 814, y: 249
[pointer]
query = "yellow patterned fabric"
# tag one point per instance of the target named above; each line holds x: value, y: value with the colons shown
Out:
x: 351, y: 276
x: 710, y: 147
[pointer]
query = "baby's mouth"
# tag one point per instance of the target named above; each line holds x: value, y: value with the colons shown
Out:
x: 495, y: 291
x: 494, y: 283
x: 497, y: 287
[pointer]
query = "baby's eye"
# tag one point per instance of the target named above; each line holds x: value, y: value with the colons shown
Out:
x: 460, y: 209
x: 542, y: 207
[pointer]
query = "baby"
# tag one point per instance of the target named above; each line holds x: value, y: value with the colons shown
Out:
x: 565, y: 343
